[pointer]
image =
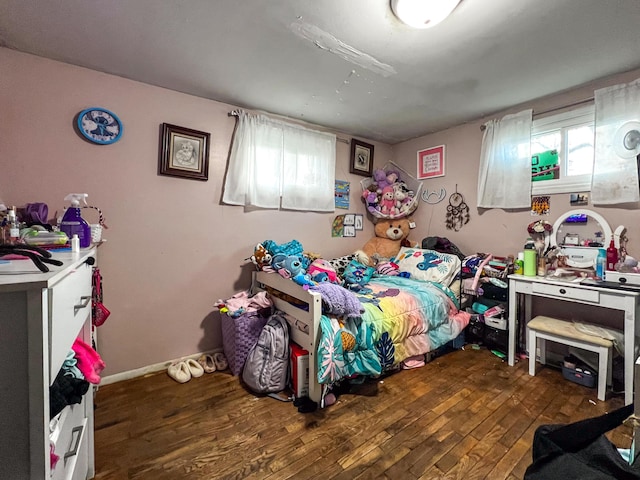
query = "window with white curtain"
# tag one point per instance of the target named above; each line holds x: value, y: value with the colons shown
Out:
x: 274, y: 164
x: 562, y: 147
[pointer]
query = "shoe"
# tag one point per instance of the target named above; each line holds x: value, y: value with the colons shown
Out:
x: 179, y: 372
x: 207, y: 363
x: 220, y: 361
x: 195, y: 368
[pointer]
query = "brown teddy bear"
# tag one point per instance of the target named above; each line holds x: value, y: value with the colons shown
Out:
x: 390, y: 236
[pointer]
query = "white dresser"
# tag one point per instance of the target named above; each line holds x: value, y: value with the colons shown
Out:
x: 41, y: 315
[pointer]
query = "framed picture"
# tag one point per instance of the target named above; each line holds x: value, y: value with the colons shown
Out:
x: 358, y: 218
x: 350, y: 219
x: 431, y: 162
x: 183, y: 152
x: 349, y: 231
x: 361, y: 158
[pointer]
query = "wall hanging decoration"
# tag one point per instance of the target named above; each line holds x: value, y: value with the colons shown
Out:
x: 540, y: 205
x: 342, y: 190
x: 99, y: 126
x: 457, y: 211
x: 361, y: 158
x: 431, y: 162
x: 433, y: 196
x: 184, y: 152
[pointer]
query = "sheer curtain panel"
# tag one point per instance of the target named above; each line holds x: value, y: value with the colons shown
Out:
x: 615, y: 168
x: 278, y: 165
x: 504, y: 178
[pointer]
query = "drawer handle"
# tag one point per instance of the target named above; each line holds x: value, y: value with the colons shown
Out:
x: 563, y: 291
x: 74, y: 450
x: 85, y: 302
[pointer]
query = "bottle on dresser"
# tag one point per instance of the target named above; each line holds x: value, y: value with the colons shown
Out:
x: 612, y: 256
x: 11, y: 229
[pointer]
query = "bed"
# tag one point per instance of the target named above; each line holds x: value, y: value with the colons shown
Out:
x: 402, y: 319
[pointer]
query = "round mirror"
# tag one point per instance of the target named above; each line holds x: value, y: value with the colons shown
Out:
x: 581, y: 228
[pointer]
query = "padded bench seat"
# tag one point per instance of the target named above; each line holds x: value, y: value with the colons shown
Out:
x: 541, y: 328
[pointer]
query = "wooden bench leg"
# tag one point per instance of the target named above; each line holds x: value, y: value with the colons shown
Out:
x: 532, y: 352
x: 603, y: 370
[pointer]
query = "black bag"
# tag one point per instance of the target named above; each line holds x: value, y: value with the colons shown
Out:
x: 581, y: 451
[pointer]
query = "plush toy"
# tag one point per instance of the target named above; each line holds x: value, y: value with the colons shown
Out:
x: 371, y: 199
x: 288, y: 266
x: 386, y: 244
x: 321, y: 270
x: 387, y: 201
x: 380, y: 179
x: 261, y: 258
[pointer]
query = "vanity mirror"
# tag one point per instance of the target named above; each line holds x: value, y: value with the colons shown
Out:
x: 580, y: 234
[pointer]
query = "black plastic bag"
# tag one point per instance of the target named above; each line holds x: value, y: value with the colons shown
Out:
x: 581, y: 451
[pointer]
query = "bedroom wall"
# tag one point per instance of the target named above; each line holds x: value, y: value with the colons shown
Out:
x: 498, y: 231
x: 172, y: 248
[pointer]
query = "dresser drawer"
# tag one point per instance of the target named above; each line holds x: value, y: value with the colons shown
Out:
x: 570, y: 293
x: 70, y: 442
x: 69, y: 309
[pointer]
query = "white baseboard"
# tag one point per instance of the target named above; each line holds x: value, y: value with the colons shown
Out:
x: 140, y: 372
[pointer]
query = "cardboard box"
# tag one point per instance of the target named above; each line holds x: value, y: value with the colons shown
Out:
x: 299, y: 363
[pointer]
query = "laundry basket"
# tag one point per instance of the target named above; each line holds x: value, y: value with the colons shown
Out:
x: 402, y: 208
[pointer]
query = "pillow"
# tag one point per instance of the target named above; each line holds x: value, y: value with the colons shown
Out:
x: 428, y: 265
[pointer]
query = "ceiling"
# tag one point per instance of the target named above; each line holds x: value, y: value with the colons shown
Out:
x: 345, y: 64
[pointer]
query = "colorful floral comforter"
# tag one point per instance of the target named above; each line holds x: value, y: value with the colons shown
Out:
x: 403, y: 318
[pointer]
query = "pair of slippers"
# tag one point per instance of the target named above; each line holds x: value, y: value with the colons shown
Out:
x: 211, y: 363
x: 184, y: 371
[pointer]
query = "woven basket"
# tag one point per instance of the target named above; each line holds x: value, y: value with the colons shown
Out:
x: 412, y: 184
x: 239, y: 335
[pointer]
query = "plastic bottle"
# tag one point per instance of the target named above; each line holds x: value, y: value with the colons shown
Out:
x: 519, y: 264
x: 601, y: 263
x: 612, y: 256
x: 72, y: 222
x: 75, y: 243
x: 13, y: 227
x: 530, y: 265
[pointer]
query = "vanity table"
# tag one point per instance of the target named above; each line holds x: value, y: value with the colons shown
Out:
x: 579, y: 234
x: 627, y: 301
x: 41, y: 315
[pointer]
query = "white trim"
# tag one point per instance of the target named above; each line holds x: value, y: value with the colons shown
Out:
x: 572, y: 184
x: 140, y: 372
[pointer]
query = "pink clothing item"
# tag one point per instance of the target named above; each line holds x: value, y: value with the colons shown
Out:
x: 89, y: 362
x: 241, y: 301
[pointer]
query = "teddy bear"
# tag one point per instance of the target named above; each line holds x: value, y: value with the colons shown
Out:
x: 390, y: 235
x: 387, y: 201
x: 380, y: 179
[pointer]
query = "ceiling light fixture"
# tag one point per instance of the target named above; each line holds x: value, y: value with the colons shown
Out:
x: 423, y: 13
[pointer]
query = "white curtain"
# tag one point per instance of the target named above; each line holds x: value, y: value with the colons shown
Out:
x: 504, y: 178
x: 615, y: 171
x: 278, y: 165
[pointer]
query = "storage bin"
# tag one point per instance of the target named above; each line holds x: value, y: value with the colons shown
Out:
x: 412, y: 184
x: 240, y: 334
x: 580, y: 376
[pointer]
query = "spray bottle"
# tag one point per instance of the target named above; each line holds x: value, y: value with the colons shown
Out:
x: 72, y: 222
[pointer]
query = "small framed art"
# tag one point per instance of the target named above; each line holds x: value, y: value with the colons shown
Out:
x: 431, y: 162
x: 361, y: 158
x: 184, y: 152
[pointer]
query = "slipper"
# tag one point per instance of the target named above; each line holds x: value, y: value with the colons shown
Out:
x: 207, y: 363
x: 195, y: 368
x: 179, y: 372
x: 220, y: 361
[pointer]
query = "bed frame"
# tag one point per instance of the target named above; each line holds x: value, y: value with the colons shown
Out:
x: 305, y: 324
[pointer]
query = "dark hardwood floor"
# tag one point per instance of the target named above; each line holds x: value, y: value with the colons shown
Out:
x: 465, y: 415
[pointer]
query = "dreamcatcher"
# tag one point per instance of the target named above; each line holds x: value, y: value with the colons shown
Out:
x: 457, y: 211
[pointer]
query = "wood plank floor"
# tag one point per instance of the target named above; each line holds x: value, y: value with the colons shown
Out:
x: 465, y: 415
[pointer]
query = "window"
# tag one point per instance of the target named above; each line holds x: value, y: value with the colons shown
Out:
x: 562, y: 150
x: 274, y: 164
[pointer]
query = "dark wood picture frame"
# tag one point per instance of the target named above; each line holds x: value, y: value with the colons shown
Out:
x: 361, y: 158
x: 184, y: 152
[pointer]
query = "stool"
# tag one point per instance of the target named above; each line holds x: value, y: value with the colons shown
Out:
x: 560, y: 331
